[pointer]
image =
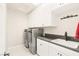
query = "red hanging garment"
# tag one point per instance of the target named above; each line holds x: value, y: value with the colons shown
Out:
x: 77, y: 33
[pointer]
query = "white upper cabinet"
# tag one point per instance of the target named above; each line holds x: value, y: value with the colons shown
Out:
x: 42, y: 16
x: 46, y: 15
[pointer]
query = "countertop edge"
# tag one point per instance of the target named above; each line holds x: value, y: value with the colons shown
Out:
x: 49, y: 40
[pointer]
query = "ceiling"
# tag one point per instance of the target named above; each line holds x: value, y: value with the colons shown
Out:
x: 24, y: 7
x: 72, y: 7
x: 29, y: 7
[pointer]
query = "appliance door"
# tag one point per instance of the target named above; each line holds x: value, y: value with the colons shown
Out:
x: 33, y: 33
x: 26, y: 42
x: 30, y: 39
x: 34, y: 40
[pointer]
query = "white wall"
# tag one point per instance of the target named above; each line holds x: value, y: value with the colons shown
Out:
x: 68, y: 25
x: 16, y: 23
x: 2, y: 27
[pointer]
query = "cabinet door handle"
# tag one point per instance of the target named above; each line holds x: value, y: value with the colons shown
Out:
x: 60, y: 54
x: 40, y: 44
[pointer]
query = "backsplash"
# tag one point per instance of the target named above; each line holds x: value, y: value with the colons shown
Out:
x: 54, y: 36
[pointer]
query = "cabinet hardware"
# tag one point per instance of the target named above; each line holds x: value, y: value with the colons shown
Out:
x: 60, y: 54
x: 40, y: 44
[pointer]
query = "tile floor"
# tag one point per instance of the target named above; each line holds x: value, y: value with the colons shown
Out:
x: 19, y: 51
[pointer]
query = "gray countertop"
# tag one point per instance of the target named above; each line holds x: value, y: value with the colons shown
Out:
x: 49, y: 40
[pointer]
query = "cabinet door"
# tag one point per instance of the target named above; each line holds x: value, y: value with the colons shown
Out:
x: 47, y: 17
x: 69, y: 52
x: 42, y: 47
x: 42, y: 16
x: 53, y: 50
